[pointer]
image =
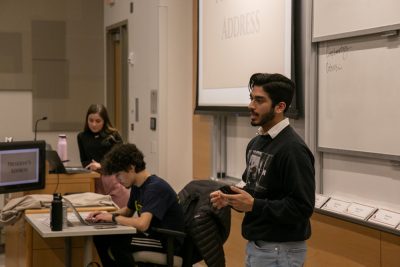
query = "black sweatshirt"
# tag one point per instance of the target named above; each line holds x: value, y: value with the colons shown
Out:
x: 95, y: 146
x: 280, y: 176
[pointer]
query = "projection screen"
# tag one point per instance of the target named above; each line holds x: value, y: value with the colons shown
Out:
x: 237, y: 38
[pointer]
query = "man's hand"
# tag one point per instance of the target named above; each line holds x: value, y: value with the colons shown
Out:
x: 217, y: 200
x: 92, y: 215
x: 242, y: 201
x: 98, y: 216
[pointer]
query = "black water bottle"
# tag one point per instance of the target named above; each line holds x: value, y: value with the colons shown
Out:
x: 56, y: 214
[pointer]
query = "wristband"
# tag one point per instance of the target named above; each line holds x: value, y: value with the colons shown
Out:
x: 113, y: 217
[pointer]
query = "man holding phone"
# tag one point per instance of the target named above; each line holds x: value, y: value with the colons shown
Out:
x: 279, y: 192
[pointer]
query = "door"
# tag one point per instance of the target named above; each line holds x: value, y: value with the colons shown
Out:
x: 117, y: 77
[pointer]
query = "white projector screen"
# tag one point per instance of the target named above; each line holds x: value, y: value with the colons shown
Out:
x: 237, y: 38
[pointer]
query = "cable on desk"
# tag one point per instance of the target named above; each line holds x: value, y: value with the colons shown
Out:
x: 58, y: 181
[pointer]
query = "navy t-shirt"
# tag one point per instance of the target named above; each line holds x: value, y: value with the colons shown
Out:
x: 157, y: 197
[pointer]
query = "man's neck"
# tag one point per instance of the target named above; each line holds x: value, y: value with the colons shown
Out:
x: 141, y: 177
x: 266, y: 127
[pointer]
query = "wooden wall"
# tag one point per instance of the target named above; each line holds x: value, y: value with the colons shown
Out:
x: 202, y: 124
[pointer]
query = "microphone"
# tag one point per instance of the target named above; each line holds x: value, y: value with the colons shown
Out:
x: 36, y: 123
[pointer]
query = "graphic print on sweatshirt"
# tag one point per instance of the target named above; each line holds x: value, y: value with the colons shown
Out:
x: 257, y: 168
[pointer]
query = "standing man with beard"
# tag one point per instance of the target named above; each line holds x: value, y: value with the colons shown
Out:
x: 279, y: 201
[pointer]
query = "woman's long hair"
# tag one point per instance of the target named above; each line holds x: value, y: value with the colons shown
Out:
x: 108, y: 129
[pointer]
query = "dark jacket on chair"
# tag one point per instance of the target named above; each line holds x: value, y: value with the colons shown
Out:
x: 207, y: 227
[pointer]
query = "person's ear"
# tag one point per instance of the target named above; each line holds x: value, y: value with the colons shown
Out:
x: 280, y: 107
x: 132, y: 168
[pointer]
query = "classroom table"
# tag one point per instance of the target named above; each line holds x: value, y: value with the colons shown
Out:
x: 40, y: 222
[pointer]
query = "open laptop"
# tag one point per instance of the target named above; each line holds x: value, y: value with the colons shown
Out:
x: 56, y: 165
x: 83, y: 221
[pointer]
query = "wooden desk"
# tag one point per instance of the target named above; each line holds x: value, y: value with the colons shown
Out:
x: 334, y: 242
x: 68, y: 183
x: 26, y: 248
x: 36, y: 221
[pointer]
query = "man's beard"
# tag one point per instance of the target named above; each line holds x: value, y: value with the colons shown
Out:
x: 266, y: 118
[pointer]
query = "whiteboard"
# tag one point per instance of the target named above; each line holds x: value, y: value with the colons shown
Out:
x: 333, y: 19
x: 359, y: 95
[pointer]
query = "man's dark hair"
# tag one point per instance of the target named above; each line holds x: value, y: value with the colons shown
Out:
x: 121, y: 157
x: 278, y: 87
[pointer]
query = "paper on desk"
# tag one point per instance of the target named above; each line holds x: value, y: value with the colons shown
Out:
x: 320, y: 200
x: 336, y: 205
x: 360, y: 211
x: 386, y: 217
x: 46, y: 221
x: 70, y: 217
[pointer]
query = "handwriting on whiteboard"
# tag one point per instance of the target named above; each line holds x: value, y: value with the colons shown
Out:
x: 335, y: 57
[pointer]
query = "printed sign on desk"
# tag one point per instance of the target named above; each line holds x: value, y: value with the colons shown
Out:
x: 336, y: 205
x: 386, y: 218
x: 320, y: 200
x: 360, y: 211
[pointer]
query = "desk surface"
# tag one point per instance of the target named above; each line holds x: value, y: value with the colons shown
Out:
x: 73, y: 175
x: 77, y: 229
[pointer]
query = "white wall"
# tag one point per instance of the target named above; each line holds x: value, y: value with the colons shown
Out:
x: 176, y: 76
x: 160, y: 36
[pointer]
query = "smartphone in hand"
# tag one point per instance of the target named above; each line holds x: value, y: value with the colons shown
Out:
x: 226, y: 189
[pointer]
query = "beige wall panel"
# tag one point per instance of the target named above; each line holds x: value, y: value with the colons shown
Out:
x: 10, y: 53
x: 338, y: 243
x: 235, y: 245
x: 202, y: 125
x: 202, y: 147
x: 390, y: 250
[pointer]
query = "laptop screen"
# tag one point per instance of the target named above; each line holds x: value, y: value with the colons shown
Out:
x: 55, y: 163
x: 81, y: 220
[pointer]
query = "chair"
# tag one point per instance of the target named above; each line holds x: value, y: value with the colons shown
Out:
x: 159, y: 258
x: 202, y: 221
x: 153, y: 258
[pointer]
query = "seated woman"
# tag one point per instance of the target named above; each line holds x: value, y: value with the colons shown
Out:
x: 97, y: 138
